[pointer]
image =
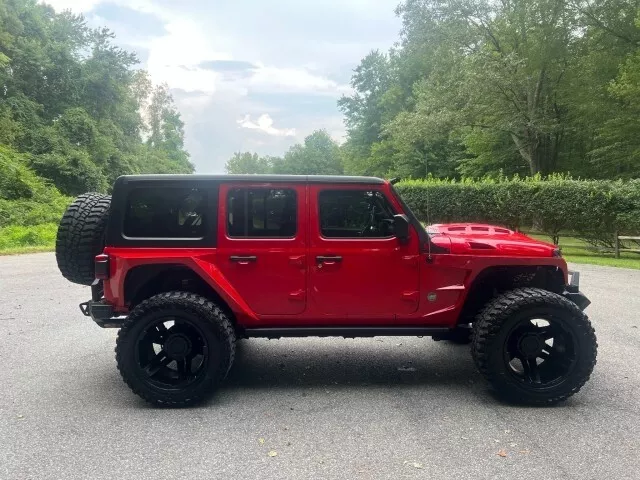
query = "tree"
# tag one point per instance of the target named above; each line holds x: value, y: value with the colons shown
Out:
x: 71, y: 101
x: 619, y: 137
x: 364, y: 110
x: 248, y: 163
x: 475, y: 87
x: 319, y: 155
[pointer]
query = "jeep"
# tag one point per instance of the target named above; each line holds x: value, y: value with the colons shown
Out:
x: 188, y: 265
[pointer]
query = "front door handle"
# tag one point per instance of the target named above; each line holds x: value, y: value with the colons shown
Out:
x: 328, y: 259
x: 243, y: 259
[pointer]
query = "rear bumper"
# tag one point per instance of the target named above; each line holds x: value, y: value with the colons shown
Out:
x: 100, y: 311
x: 573, y: 293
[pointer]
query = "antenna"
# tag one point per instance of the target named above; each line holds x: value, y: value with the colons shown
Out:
x: 426, y: 172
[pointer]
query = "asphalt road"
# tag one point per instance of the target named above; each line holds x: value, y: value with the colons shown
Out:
x: 331, y: 408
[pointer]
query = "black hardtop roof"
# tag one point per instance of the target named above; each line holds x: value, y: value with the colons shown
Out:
x: 253, y: 178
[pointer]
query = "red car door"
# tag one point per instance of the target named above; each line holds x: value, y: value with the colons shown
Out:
x: 358, y: 268
x: 262, y: 242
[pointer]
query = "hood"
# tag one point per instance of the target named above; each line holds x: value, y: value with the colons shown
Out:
x: 480, y: 239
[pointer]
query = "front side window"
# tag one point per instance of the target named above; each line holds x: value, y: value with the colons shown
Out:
x: 165, y: 213
x: 355, y: 214
x: 262, y: 213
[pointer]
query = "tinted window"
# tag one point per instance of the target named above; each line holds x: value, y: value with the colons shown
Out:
x: 355, y: 213
x: 262, y: 212
x: 165, y: 213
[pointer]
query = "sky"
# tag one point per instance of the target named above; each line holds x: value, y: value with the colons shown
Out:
x: 248, y: 75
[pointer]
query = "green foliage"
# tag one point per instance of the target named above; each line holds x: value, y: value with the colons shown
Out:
x: 16, y: 237
x: 242, y: 163
x: 25, y: 198
x: 318, y: 155
x: 77, y: 108
x: 476, y: 87
x: 592, y: 210
x: 16, y: 181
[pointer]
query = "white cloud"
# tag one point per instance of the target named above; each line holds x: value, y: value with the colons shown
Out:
x: 174, y: 58
x: 76, y: 6
x: 275, y: 79
x: 265, y: 124
x: 84, y: 6
x: 298, y: 57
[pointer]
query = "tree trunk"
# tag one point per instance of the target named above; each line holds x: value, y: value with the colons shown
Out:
x: 525, y: 151
x: 540, y: 151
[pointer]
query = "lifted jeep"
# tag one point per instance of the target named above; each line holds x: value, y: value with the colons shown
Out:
x: 185, y: 265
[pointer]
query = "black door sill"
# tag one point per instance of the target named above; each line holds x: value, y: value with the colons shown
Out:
x: 347, y: 332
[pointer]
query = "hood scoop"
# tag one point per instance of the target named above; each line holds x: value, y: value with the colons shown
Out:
x: 480, y: 246
x: 472, y: 229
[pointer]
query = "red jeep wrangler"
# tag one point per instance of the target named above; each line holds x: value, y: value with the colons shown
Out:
x: 185, y: 265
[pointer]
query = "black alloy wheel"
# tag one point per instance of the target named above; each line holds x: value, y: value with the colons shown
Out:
x: 171, y: 353
x: 540, y: 352
x: 175, y: 348
x: 534, y: 346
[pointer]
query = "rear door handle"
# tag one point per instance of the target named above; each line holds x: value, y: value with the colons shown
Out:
x: 328, y: 259
x: 243, y: 259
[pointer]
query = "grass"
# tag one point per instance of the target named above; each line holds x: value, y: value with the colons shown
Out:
x: 19, y: 239
x: 577, y: 251
x: 23, y: 250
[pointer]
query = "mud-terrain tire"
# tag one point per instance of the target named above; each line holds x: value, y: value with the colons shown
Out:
x: 510, y: 326
x: 81, y: 236
x: 201, y: 336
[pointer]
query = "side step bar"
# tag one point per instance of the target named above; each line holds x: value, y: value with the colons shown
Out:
x: 347, y: 332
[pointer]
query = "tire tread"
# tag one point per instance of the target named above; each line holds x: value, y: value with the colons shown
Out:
x: 80, y: 237
x: 490, y: 320
x: 202, y: 307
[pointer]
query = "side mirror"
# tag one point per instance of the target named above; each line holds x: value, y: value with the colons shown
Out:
x: 401, y: 227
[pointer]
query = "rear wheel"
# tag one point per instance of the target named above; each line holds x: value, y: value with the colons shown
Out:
x: 175, y: 348
x: 534, y: 346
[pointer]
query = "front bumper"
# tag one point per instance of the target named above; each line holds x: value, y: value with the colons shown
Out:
x: 573, y: 293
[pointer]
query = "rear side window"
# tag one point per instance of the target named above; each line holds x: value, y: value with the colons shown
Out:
x: 262, y: 213
x: 355, y: 214
x: 166, y: 212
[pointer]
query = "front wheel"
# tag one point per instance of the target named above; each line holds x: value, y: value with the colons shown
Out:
x: 175, y: 348
x: 534, y: 346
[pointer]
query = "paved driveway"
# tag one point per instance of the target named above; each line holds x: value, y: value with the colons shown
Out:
x: 331, y: 408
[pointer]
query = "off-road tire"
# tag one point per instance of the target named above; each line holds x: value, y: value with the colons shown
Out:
x: 211, y: 320
x: 489, y: 336
x: 81, y: 236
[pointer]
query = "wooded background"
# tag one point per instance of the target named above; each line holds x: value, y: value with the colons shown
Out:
x: 477, y: 88
x: 473, y: 90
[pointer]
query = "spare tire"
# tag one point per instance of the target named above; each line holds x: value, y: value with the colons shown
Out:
x: 81, y: 236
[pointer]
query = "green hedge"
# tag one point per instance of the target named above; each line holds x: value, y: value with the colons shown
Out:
x: 590, y: 209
